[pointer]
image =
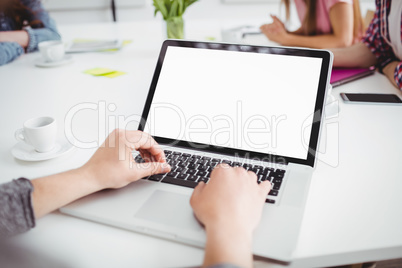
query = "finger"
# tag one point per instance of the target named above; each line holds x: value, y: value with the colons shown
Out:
x: 151, y: 168
x: 240, y: 170
x: 141, y: 140
x: 252, y: 175
x: 196, y: 193
x: 219, y: 169
x: 146, y: 156
x: 265, y: 188
x: 276, y: 19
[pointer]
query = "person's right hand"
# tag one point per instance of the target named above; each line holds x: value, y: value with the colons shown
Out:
x: 232, y: 196
x: 230, y: 207
x: 275, y: 31
x: 113, y: 166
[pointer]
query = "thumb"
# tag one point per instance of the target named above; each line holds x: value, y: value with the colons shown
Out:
x: 196, y: 193
x: 265, y: 188
x: 151, y: 168
x: 277, y: 20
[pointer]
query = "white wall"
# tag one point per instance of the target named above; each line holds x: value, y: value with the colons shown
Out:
x: 89, y: 4
x: 213, y: 9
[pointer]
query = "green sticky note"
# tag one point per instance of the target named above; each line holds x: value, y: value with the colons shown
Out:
x: 99, y: 71
x: 114, y: 74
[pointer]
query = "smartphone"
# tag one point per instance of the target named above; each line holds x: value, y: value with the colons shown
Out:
x: 371, y: 98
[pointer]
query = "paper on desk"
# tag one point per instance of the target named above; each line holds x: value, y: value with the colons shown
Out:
x: 96, y: 45
x: 106, y: 72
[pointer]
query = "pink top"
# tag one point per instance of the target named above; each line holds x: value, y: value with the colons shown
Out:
x: 323, y: 7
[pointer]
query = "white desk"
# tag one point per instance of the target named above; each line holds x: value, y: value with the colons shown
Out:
x: 353, y: 212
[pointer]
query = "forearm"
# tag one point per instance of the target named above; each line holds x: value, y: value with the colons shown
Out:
x: 317, y: 41
x: 389, y: 71
x: 358, y: 55
x: 9, y: 51
x: 298, y: 31
x: 228, y: 244
x: 55, y: 191
x: 21, y: 37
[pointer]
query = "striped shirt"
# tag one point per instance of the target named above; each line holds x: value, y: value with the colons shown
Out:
x: 377, y: 39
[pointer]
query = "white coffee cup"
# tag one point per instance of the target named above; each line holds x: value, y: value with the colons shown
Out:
x: 52, y: 51
x: 39, y: 132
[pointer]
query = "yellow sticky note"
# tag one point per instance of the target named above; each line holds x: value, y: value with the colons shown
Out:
x: 126, y: 42
x: 99, y: 71
x: 114, y: 74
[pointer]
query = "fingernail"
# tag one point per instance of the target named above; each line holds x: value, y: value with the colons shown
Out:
x: 166, y: 168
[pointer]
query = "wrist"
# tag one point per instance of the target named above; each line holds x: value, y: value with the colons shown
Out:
x: 383, y: 67
x: 287, y: 39
x: 390, y: 67
x: 229, y: 243
x: 229, y: 229
x: 390, y: 71
x: 90, y: 178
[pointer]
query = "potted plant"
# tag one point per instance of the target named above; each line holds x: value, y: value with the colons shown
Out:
x: 172, y: 12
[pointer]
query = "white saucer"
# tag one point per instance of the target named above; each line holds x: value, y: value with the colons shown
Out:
x: 26, y: 152
x: 40, y: 62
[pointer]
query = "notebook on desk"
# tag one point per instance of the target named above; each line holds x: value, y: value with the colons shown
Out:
x: 212, y: 103
x: 93, y: 45
x: 341, y: 76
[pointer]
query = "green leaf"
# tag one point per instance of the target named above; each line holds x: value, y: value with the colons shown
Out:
x: 181, y: 8
x: 160, y: 6
x: 168, y: 4
x: 173, y: 9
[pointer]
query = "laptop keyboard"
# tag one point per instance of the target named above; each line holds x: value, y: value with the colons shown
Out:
x: 190, y: 169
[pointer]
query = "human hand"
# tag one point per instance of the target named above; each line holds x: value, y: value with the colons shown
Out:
x: 275, y: 31
x: 230, y: 207
x: 232, y: 197
x: 113, y: 166
x: 389, y: 71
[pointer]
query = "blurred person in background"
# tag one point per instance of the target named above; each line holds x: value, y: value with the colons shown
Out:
x: 381, y: 46
x: 23, y: 25
x: 324, y: 23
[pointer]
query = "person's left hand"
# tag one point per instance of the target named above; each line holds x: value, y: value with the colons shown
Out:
x: 275, y: 31
x: 113, y: 166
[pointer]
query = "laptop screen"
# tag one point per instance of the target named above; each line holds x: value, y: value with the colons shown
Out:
x: 241, y: 98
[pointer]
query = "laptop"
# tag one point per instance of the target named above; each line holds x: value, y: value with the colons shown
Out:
x: 251, y: 106
x: 340, y: 76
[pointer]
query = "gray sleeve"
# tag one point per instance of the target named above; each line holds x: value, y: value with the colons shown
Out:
x: 16, y: 211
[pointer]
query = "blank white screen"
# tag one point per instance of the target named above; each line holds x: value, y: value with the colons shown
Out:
x: 250, y: 101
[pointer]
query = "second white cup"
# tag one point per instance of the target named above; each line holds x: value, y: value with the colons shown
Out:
x: 39, y: 132
x: 52, y: 51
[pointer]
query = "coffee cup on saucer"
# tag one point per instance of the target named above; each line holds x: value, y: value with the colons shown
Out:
x: 39, y: 132
x: 52, y: 51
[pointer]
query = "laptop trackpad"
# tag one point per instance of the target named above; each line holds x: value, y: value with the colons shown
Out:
x: 170, y: 209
